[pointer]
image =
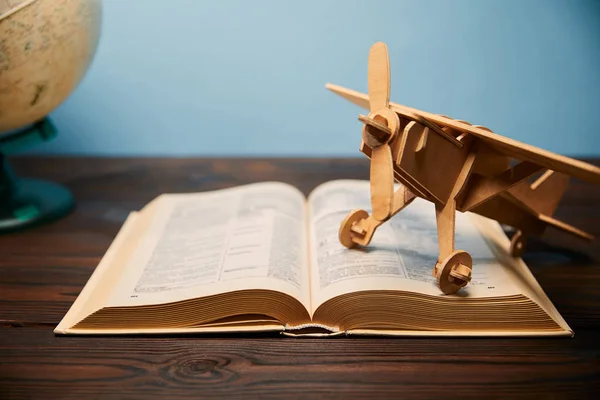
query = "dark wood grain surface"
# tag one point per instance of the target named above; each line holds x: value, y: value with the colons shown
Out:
x: 43, y: 270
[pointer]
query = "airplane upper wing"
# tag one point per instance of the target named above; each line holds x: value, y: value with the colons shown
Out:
x: 510, y: 147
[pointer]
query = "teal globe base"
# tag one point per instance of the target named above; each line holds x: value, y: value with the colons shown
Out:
x: 26, y: 202
x: 34, y: 202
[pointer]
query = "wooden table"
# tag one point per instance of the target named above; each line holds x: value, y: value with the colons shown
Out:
x: 43, y: 270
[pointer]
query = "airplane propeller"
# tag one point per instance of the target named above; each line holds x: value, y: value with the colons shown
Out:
x: 380, y: 126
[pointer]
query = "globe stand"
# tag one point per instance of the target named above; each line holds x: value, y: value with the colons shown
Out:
x: 26, y: 202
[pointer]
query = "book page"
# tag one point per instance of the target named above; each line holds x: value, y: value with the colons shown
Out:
x: 401, y: 255
x: 248, y: 237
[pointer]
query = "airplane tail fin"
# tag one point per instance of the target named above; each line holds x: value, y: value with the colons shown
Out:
x: 543, y: 197
x: 566, y: 227
x: 544, y: 194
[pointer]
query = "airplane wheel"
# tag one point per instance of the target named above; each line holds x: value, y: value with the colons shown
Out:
x: 517, y: 244
x: 454, y: 272
x: 344, y: 232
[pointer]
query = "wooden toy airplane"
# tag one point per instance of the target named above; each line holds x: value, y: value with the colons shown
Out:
x: 458, y: 167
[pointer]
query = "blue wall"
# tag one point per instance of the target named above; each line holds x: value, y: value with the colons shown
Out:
x: 185, y: 77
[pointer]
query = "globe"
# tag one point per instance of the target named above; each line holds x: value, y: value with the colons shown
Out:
x: 46, y: 48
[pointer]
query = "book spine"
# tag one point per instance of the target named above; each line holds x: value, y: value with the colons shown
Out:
x: 311, y: 325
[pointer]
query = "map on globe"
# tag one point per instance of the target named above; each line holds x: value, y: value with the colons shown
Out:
x: 46, y: 47
x: 7, y: 5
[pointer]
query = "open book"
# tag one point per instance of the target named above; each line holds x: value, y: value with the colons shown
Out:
x: 262, y: 257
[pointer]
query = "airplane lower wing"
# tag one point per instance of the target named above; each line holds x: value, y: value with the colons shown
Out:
x: 510, y: 147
